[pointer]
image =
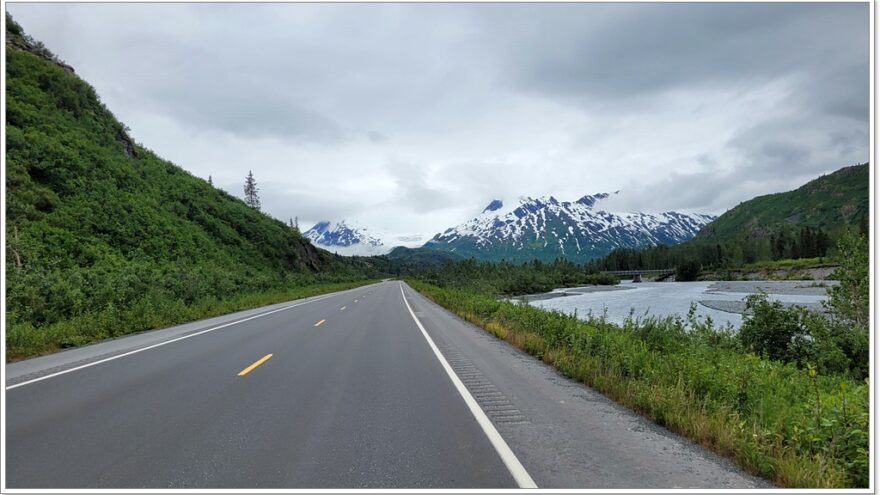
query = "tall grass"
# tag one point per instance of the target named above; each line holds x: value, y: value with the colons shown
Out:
x: 792, y: 426
x: 790, y: 263
x: 151, y: 311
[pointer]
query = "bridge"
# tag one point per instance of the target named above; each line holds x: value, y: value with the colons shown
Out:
x: 637, y: 275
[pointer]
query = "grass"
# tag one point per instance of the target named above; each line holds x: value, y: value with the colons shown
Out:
x: 789, y: 263
x: 789, y: 425
x: 23, y: 340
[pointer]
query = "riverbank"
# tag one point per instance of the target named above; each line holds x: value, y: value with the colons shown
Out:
x: 770, y: 287
x: 569, y: 291
x: 803, y: 269
x: 722, y: 302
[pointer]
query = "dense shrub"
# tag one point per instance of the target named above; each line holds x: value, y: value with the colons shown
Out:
x: 833, y: 343
x: 850, y: 300
x: 687, y: 271
x: 803, y: 337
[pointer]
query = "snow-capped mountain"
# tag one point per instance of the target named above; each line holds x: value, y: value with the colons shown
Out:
x: 345, y: 239
x: 546, y: 228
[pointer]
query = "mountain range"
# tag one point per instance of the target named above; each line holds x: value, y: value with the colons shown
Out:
x: 345, y: 239
x: 546, y: 228
x: 532, y: 228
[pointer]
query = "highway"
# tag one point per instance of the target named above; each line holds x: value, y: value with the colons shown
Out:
x: 375, y: 387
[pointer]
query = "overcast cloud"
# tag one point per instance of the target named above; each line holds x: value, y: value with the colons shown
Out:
x: 411, y: 118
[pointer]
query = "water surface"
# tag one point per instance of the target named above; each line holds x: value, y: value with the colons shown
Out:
x: 670, y: 298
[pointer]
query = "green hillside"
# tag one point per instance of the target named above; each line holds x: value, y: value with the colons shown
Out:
x: 97, y: 222
x: 828, y: 202
x: 423, y: 256
x: 799, y: 224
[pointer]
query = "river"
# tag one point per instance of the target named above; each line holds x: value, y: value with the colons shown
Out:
x: 675, y: 298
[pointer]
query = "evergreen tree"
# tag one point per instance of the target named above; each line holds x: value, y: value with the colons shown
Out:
x: 251, y: 191
x: 777, y: 246
x: 210, y: 180
x: 783, y: 245
x: 822, y: 243
x: 863, y: 226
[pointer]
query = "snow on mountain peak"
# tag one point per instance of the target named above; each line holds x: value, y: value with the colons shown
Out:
x: 346, y: 239
x: 545, y: 228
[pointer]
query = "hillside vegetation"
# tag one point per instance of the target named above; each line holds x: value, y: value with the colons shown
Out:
x: 827, y: 202
x: 801, y: 224
x: 101, y: 232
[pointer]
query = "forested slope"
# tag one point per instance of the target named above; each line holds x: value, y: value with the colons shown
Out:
x: 827, y: 202
x: 97, y: 222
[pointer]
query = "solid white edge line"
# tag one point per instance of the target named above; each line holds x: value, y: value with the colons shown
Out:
x: 519, y: 473
x: 165, y: 342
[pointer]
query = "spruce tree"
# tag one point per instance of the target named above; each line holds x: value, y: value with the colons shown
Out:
x: 251, y: 191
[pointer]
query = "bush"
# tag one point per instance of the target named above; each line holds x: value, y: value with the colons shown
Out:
x: 687, y: 271
x: 850, y: 299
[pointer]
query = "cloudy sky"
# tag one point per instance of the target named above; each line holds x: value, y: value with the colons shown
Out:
x: 410, y: 118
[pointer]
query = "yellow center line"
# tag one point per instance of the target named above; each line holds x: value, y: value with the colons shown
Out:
x: 319, y: 323
x: 251, y: 367
x: 342, y: 308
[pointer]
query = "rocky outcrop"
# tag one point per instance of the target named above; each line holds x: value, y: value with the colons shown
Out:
x: 25, y: 43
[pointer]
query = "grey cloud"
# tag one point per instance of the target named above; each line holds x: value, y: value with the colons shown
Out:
x: 624, y: 51
x: 250, y: 113
x: 207, y: 92
x: 376, y: 136
x: 416, y: 115
x: 414, y: 190
x: 841, y: 90
x: 704, y: 191
x: 310, y: 206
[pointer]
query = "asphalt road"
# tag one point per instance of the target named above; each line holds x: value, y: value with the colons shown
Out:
x: 358, y: 389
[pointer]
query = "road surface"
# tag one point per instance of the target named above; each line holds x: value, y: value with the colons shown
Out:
x: 366, y: 388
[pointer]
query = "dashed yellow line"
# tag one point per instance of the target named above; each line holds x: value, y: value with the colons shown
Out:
x: 319, y: 323
x: 251, y: 367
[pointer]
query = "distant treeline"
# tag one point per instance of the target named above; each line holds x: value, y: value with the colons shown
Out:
x: 499, y: 278
x: 785, y: 243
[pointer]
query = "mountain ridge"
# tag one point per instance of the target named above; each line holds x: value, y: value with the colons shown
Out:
x: 346, y: 239
x: 827, y: 201
x: 545, y: 228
